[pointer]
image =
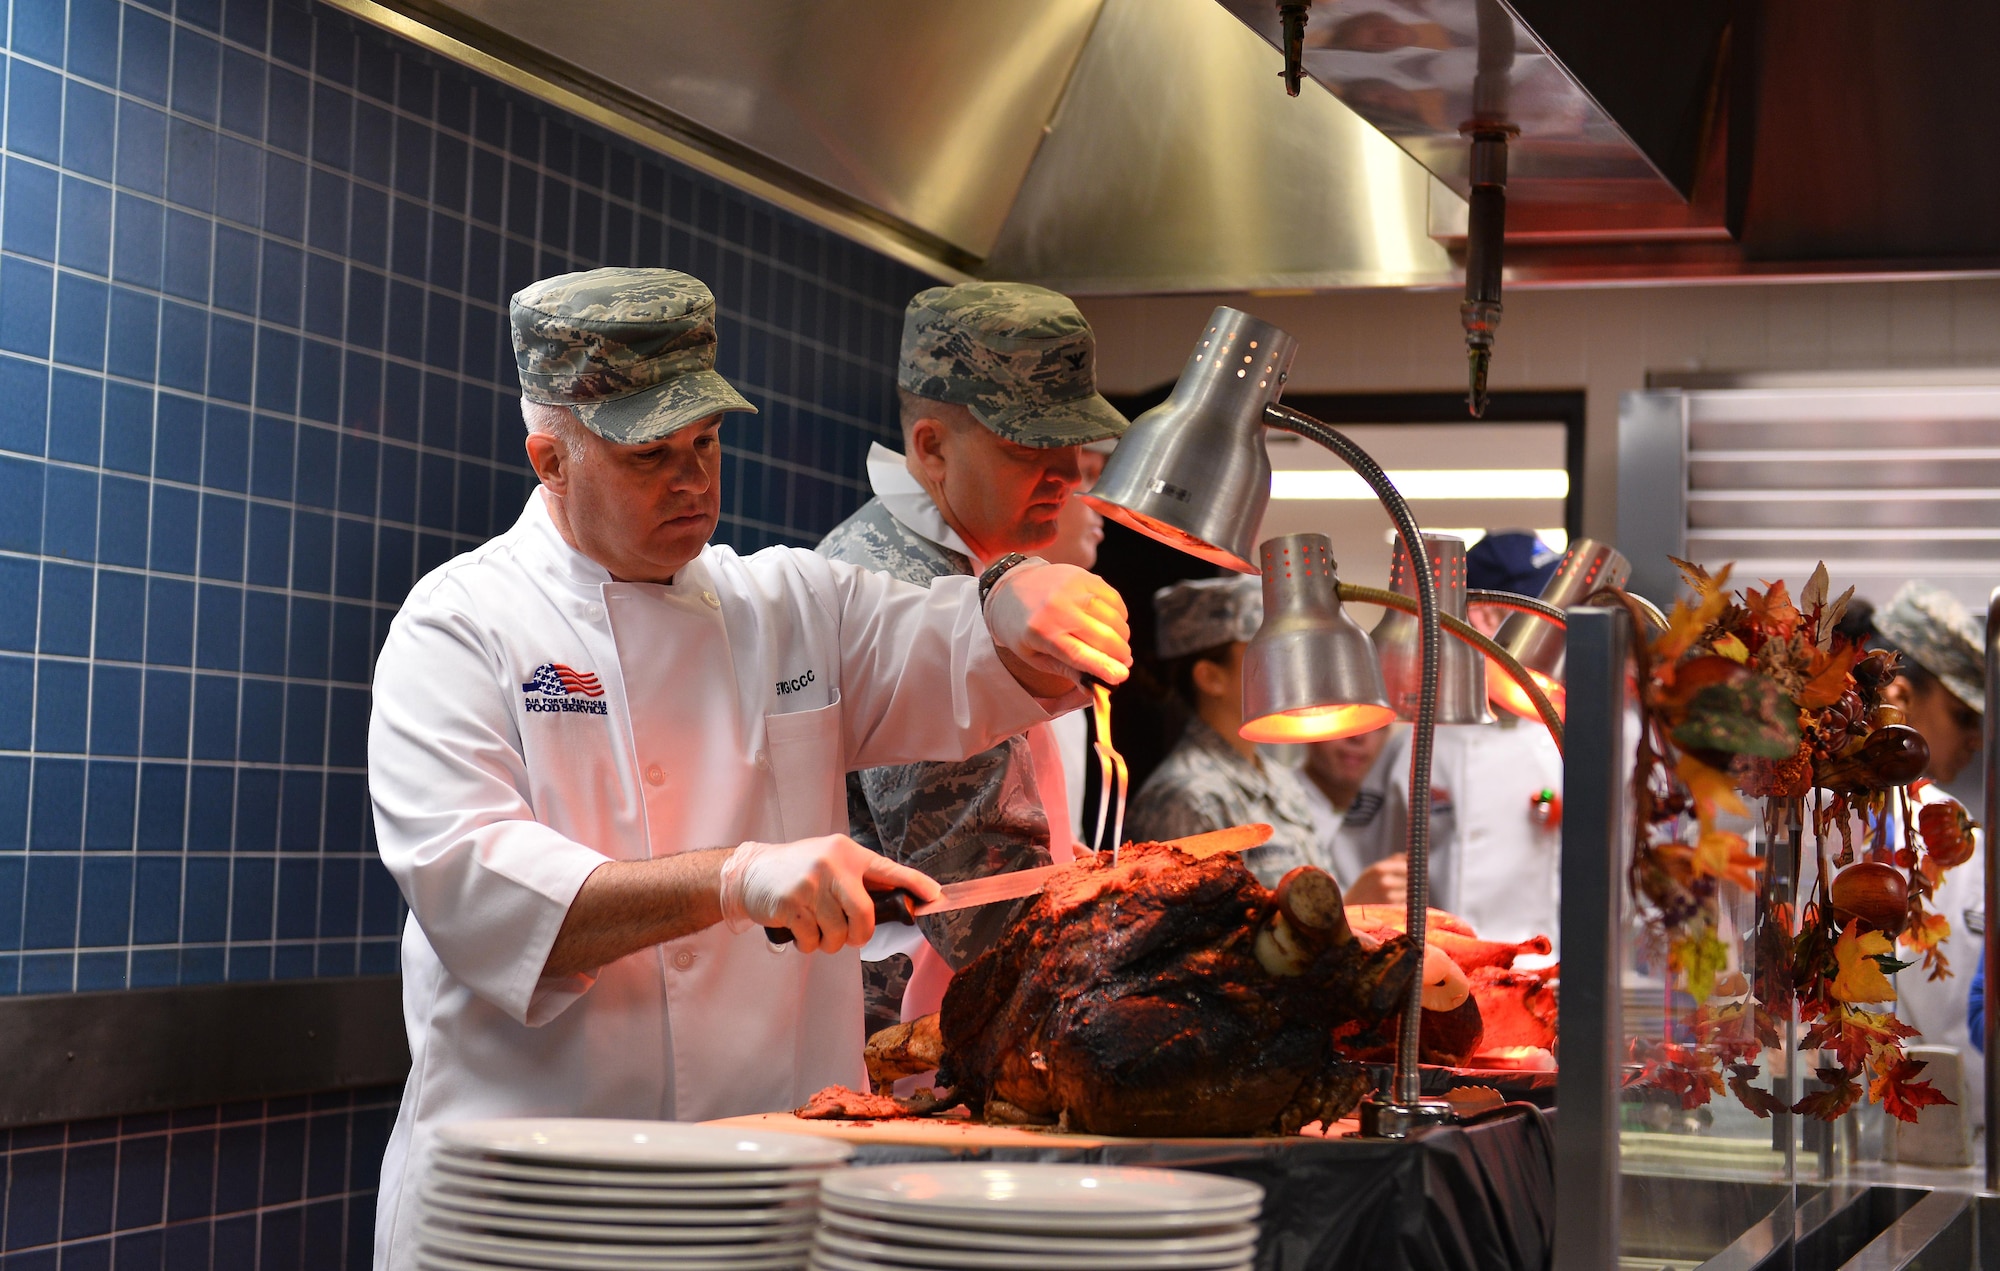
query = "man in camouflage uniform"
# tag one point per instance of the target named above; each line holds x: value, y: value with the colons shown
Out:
x: 998, y: 392
x: 1214, y: 778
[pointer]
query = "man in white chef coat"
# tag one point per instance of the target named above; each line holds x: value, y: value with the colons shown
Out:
x: 997, y: 388
x: 605, y: 753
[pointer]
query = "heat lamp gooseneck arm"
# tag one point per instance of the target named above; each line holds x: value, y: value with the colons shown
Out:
x: 1407, y: 1089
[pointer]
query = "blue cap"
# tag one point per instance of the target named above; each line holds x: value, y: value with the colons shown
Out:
x: 1511, y: 560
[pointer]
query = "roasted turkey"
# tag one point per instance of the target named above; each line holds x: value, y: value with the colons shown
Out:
x: 1166, y: 995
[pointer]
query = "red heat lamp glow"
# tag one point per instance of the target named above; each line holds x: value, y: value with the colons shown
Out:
x: 1316, y: 723
x: 1508, y: 695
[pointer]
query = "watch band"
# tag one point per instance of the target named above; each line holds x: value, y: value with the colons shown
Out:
x: 995, y: 571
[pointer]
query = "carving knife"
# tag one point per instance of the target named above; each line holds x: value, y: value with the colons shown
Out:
x: 899, y: 906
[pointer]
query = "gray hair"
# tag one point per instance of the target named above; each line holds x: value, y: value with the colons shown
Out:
x: 559, y: 422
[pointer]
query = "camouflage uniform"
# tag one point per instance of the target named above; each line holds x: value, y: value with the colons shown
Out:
x: 631, y: 351
x: 1020, y: 359
x: 1204, y: 784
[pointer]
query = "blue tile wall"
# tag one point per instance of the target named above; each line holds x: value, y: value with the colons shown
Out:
x: 254, y: 381
x: 277, y: 1183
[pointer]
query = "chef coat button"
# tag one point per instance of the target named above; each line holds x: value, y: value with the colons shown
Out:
x: 654, y: 775
x: 763, y: 761
x: 683, y: 959
x: 709, y: 598
x: 593, y: 612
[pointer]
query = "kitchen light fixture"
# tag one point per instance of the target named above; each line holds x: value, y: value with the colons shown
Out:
x: 1192, y: 471
x: 1462, y: 676
x: 1310, y: 672
x: 1538, y: 642
x: 1425, y: 483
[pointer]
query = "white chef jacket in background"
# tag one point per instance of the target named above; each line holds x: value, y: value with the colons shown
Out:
x: 733, y: 702
x: 1492, y: 862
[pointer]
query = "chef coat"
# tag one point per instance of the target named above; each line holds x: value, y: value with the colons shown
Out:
x: 1937, y: 1008
x: 534, y: 718
x: 1492, y: 862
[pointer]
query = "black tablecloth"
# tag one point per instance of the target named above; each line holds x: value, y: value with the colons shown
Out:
x: 1478, y: 1197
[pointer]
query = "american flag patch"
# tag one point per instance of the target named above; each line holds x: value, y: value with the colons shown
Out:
x: 557, y: 680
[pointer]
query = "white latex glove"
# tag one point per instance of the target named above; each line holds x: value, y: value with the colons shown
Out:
x: 1061, y: 619
x: 817, y: 887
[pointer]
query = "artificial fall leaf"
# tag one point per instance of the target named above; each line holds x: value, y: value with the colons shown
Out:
x: 1858, y: 1037
x: 1720, y: 854
x: 1831, y: 678
x: 1829, y: 618
x: 1833, y: 1102
x: 1759, y: 1100
x: 1773, y: 609
x: 1696, y: 576
x: 1814, y: 592
x: 1926, y: 930
x: 1900, y: 1094
x: 1711, y: 788
x: 1688, y: 623
x: 1732, y: 648
x: 1860, y: 978
x: 1750, y: 716
x: 1699, y: 957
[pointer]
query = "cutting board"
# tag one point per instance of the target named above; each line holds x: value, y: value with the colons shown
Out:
x: 957, y: 1134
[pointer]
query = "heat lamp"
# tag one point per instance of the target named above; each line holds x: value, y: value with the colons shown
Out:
x: 1310, y: 673
x: 1536, y: 636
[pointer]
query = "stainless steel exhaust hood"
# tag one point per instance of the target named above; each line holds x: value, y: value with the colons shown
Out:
x: 1148, y: 145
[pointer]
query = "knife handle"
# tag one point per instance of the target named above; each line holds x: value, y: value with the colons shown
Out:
x: 890, y: 906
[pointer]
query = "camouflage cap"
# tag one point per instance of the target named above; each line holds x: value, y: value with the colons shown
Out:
x: 1205, y: 612
x: 631, y: 351
x: 1929, y: 626
x: 1020, y: 358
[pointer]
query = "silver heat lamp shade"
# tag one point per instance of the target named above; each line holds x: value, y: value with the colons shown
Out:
x: 1309, y: 674
x: 1192, y: 471
x: 1538, y: 644
x: 1461, y: 669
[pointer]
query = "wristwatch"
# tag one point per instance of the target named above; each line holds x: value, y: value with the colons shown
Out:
x: 995, y: 571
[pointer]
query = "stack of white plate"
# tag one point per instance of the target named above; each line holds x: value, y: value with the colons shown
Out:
x: 620, y: 1196
x: 1044, y: 1217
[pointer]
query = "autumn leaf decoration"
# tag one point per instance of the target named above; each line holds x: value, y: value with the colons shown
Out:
x: 1753, y: 693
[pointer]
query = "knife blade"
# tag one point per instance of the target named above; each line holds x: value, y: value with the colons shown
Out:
x: 897, y: 906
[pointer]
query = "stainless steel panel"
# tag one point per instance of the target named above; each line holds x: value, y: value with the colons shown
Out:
x: 1420, y: 70
x: 1652, y: 443
x: 1596, y: 774
x: 1725, y: 1225
x: 929, y: 112
x: 70, y: 1056
x: 1842, y: 509
x: 1805, y: 471
x: 1935, y: 1234
x: 1177, y: 163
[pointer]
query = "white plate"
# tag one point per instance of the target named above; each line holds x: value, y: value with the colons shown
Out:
x: 435, y: 1260
x: 655, y: 1145
x: 1064, y: 1199
x: 665, y: 1198
x: 692, y: 1180
x: 1109, y: 1224
x: 827, y: 1260
x: 617, y: 1233
x: 522, y: 1251
x: 1234, y: 1240
x: 442, y: 1198
x: 980, y: 1260
x: 1043, y: 1188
